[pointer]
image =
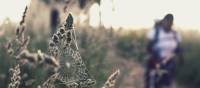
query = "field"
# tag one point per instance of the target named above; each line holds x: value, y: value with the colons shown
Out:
x: 103, y: 52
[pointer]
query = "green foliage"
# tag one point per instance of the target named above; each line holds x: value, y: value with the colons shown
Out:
x: 131, y: 44
x: 189, y: 73
x: 94, y: 49
x: 125, y: 45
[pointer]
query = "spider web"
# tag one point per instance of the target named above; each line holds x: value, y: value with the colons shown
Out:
x: 72, y: 72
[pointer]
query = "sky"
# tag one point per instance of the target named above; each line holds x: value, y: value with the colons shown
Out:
x: 127, y: 13
x: 12, y: 9
x: 143, y: 13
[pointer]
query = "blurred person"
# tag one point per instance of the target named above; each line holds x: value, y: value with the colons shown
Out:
x: 54, y: 19
x: 163, y: 46
x: 82, y: 3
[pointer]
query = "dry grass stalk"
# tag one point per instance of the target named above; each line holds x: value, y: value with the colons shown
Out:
x: 18, y: 47
x: 15, y: 77
x: 49, y: 83
x: 110, y: 83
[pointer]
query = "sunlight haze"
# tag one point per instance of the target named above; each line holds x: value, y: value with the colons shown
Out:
x: 126, y: 13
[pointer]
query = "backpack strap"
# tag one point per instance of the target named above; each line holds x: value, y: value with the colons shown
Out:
x: 156, y: 35
x: 151, y: 44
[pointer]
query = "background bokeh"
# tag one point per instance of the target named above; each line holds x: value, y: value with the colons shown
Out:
x: 104, y: 48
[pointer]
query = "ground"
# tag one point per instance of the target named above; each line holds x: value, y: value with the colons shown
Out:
x: 132, y: 72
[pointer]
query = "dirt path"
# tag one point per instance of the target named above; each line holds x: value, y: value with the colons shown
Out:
x: 133, y: 76
x: 132, y: 73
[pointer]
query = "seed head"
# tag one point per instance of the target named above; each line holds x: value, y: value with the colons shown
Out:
x: 62, y: 31
x: 69, y: 22
x: 55, y: 38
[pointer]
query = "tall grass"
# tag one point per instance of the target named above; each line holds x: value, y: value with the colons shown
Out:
x: 79, y: 59
x: 62, y: 63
